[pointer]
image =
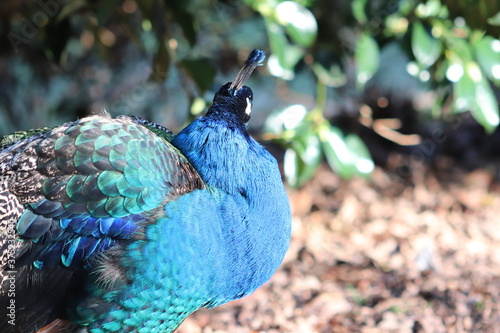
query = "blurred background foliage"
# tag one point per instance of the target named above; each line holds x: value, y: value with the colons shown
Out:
x: 346, y: 82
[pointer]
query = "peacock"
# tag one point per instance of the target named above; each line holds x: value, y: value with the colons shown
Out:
x: 118, y: 225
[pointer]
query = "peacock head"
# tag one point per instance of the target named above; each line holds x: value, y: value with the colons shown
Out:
x: 234, y: 96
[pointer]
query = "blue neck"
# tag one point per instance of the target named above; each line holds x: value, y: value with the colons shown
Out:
x: 229, y: 159
x: 221, y: 150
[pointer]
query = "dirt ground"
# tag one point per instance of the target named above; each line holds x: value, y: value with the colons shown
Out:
x: 401, y: 252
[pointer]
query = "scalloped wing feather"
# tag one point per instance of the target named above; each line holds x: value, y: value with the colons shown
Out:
x: 85, y: 184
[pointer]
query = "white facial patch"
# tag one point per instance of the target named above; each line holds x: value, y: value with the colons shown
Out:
x: 248, y: 109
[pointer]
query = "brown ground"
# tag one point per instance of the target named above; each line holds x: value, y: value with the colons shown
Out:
x: 393, y: 254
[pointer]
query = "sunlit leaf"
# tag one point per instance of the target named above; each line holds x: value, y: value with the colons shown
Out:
x: 361, y: 157
x: 288, y: 118
x: 291, y: 167
x: 358, y: 10
x: 429, y: 8
x: 302, y: 160
x: 337, y: 153
x: 425, y: 47
x: 277, y: 40
x: 332, y: 78
x: 460, y: 48
x: 454, y: 72
x: 494, y: 20
x: 308, y: 156
x: 71, y: 8
x: 487, y: 54
x: 298, y: 21
x: 396, y: 24
x: 465, y: 92
x: 276, y: 68
x: 284, y: 56
x: 486, y: 108
x: 292, y: 56
x: 198, y: 105
x: 367, y: 55
x: 251, y: 3
x: 473, y: 93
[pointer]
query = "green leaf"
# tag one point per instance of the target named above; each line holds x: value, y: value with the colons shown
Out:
x: 277, y: 39
x: 251, y: 3
x: 396, y: 25
x: 303, y: 158
x: 494, y: 20
x: 362, y: 160
x: 284, y: 56
x: 71, y: 8
x: 308, y: 149
x: 367, y: 55
x: 425, y: 47
x: 332, y: 78
x: 487, y: 54
x: 486, y: 108
x: 298, y: 21
x: 348, y: 156
x: 473, y: 92
x: 201, y: 71
x: 358, y: 11
x: 289, y: 118
x: 197, y: 106
x: 292, y: 56
x: 431, y: 8
x: 460, y: 48
x: 291, y: 167
x: 465, y: 91
x: 336, y: 152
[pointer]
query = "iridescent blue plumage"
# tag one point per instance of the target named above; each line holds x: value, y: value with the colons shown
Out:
x: 138, y: 226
